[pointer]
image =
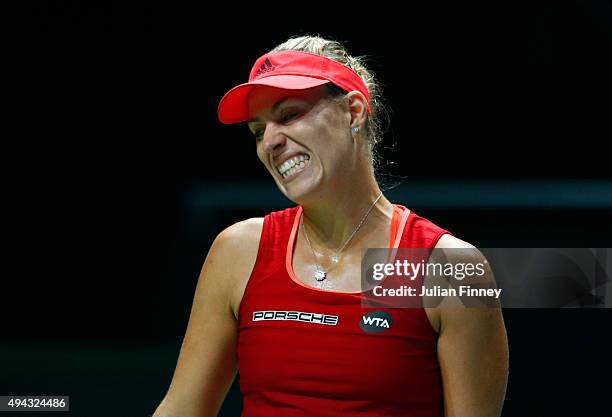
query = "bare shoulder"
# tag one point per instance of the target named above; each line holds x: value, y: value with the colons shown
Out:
x: 454, y: 249
x: 236, y: 242
x: 451, y: 249
x: 448, y: 241
x: 241, y: 235
x: 236, y: 249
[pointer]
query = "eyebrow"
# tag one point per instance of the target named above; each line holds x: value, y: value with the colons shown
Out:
x: 274, y: 107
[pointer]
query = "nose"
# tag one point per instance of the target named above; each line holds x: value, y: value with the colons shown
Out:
x: 273, y: 141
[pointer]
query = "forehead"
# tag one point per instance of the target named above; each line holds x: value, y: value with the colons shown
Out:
x: 264, y: 99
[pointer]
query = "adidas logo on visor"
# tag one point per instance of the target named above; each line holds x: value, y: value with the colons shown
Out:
x: 265, y: 67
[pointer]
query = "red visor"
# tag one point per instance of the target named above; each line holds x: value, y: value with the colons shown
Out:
x: 291, y: 70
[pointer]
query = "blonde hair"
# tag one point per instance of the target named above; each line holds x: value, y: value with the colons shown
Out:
x: 336, y: 51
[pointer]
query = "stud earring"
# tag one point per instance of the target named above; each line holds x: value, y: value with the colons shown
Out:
x: 356, y: 129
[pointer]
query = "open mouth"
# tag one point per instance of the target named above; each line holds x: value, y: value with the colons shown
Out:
x: 293, y: 165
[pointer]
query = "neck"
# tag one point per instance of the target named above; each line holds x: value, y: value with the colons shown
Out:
x: 333, y: 218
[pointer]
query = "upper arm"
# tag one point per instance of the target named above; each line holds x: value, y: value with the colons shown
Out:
x: 472, y: 351
x: 207, y: 362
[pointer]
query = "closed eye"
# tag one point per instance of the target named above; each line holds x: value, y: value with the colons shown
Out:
x: 288, y: 116
x: 284, y: 119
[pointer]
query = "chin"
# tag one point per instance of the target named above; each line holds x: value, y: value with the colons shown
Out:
x: 302, y: 186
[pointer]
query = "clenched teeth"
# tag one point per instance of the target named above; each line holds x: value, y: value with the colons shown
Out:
x: 291, y: 165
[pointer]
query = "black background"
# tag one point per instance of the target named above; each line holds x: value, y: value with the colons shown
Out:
x: 111, y: 127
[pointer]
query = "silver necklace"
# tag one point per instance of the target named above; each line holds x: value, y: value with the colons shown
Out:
x: 320, y: 273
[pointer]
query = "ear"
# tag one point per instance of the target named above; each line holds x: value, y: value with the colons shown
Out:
x: 358, y: 109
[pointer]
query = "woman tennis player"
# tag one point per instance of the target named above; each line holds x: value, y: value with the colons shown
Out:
x: 279, y: 297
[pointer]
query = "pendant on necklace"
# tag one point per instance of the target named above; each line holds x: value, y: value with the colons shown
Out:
x: 320, y: 275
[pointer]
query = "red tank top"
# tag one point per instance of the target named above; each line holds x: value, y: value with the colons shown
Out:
x: 302, y: 351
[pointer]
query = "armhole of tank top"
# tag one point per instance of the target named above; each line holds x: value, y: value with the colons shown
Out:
x: 401, y: 225
x: 264, y: 227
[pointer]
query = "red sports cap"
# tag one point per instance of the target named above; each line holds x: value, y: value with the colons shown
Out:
x: 290, y: 70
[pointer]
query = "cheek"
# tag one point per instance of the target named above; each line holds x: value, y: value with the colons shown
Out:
x: 263, y: 158
x: 261, y: 155
x: 334, y: 130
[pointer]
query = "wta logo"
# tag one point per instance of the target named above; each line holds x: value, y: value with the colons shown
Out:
x: 375, y: 322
